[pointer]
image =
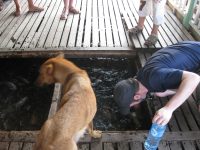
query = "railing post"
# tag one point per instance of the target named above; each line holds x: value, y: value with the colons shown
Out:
x: 188, y: 16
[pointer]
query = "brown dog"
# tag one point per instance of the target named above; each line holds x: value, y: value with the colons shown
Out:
x: 77, y: 107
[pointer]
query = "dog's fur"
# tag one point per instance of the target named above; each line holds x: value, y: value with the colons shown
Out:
x: 77, y: 108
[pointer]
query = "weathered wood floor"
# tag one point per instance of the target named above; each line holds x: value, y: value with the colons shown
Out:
x: 101, y: 27
x: 100, y: 30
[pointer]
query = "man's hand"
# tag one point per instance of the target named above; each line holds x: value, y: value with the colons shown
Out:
x: 162, y: 116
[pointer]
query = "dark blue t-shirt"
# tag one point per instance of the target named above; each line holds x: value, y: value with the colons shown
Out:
x: 164, y: 69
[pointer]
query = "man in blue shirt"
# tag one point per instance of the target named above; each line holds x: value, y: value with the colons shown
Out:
x: 169, y: 71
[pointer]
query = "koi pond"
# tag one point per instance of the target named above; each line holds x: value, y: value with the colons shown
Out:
x: 24, y: 106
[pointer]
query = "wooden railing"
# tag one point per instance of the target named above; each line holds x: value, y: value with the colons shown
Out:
x: 189, y: 13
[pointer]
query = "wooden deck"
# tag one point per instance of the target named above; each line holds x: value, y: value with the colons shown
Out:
x: 101, y: 28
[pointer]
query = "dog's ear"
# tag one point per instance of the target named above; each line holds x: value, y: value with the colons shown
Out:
x: 60, y: 55
x: 49, y: 69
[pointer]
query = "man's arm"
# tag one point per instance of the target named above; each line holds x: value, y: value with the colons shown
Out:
x: 166, y: 93
x: 188, y: 84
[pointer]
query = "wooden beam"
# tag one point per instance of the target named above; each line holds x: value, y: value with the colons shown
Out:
x: 112, y: 136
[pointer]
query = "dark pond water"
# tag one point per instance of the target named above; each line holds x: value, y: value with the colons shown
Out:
x: 23, y: 106
x: 104, y: 74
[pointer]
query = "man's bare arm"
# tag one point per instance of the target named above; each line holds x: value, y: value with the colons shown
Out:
x: 166, y: 93
x: 188, y: 84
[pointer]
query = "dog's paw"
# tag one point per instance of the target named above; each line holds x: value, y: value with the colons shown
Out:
x: 96, y: 134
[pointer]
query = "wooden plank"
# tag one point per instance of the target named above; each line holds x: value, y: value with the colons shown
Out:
x: 54, y: 26
x: 74, y: 29
x: 136, y: 146
x: 28, y: 146
x: 165, y: 36
x: 30, y: 25
x: 15, y: 146
x: 131, y: 19
x: 95, y: 24
x: 11, y: 25
x: 190, y: 120
x: 179, y: 24
x: 109, y: 38
x: 109, y: 146
x: 194, y: 109
x: 172, y: 39
x: 96, y: 145
x: 117, y: 136
x: 35, y: 27
x: 181, y: 120
x: 7, y: 14
x: 188, y: 145
x: 134, y: 38
x: 114, y: 25
x: 18, y: 136
x: 81, y: 24
x: 123, y: 146
x: 142, y: 58
x: 129, y: 41
x: 122, y: 35
x: 122, y: 9
x: 4, y: 145
x: 174, y: 145
x: 20, y: 29
x: 176, y: 27
x: 73, y: 52
x: 198, y: 144
x: 87, y: 35
x: 163, y: 146
x: 101, y: 24
x: 83, y: 146
x: 174, y: 32
x: 48, y: 25
x: 140, y: 136
x: 42, y: 30
x: 66, y: 31
x: 58, y: 34
x: 7, y: 11
x: 55, y: 99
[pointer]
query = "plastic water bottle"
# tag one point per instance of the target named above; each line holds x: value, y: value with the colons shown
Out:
x: 155, y: 135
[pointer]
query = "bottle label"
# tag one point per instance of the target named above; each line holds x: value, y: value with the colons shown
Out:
x: 154, y: 132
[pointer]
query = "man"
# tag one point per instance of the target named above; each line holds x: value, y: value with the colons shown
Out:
x: 157, y: 7
x: 169, y: 71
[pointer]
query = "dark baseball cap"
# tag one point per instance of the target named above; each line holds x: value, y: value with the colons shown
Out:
x: 124, y: 92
